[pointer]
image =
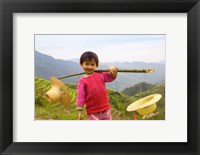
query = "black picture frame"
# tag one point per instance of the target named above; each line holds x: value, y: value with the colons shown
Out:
x: 8, y: 7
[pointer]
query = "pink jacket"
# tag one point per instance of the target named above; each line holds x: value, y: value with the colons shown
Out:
x: 92, y: 91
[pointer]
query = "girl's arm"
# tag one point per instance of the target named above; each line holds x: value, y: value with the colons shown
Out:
x: 110, y: 75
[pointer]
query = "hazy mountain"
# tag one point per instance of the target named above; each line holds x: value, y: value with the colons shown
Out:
x: 162, y: 62
x: 125, y: 80
x: 47, y: 66
x: 77, y: 60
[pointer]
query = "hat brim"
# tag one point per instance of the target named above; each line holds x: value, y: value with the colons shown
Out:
x: 144, y: 102
x: 55, y: 82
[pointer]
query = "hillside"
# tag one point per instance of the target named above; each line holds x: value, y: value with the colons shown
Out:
x: 46, y: 66
x: 57, y: 111
x: 158, y: 89
x: 140, y: 87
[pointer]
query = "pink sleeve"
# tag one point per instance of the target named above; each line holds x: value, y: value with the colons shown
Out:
x: 107, y: 77
x: 80, y: 98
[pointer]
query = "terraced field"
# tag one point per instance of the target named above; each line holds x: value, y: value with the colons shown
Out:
x: 119, y: 102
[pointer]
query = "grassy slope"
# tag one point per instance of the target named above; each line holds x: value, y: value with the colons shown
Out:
x: 160, y: 89
x: 57, y: 111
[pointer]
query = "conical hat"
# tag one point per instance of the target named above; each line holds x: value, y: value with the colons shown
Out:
x: 145, y: 105
x: 58, y: 92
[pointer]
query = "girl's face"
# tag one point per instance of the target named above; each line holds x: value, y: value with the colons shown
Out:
x: 89, y: 67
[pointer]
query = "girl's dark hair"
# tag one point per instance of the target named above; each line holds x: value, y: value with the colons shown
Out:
x: 89, y: 56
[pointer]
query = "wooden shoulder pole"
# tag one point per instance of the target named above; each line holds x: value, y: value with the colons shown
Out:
x: 119, y: 70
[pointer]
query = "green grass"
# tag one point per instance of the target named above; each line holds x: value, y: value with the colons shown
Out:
x: 118, y: 101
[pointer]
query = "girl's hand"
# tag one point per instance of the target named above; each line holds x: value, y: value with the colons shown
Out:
x: 113, y: 71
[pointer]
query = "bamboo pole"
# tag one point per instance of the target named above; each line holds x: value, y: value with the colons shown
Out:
x: 119, y: 70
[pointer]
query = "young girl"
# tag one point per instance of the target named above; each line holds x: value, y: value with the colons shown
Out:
x: 91, y: 89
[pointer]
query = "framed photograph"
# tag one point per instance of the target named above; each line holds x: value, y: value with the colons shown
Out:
x: 147, y: 51
x: 131, y: 85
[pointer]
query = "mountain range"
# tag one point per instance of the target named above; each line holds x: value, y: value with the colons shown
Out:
x: 47, y: 66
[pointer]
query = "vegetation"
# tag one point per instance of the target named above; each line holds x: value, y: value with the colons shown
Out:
x: 48, y: 111
x: 140, y: 87
x: 118, y: 101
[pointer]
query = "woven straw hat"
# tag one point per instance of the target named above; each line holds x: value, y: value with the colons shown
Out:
x: 145, y: 105
x: 58, y: 92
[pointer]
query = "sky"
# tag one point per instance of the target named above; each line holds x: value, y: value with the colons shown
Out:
x: 109, y: 48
